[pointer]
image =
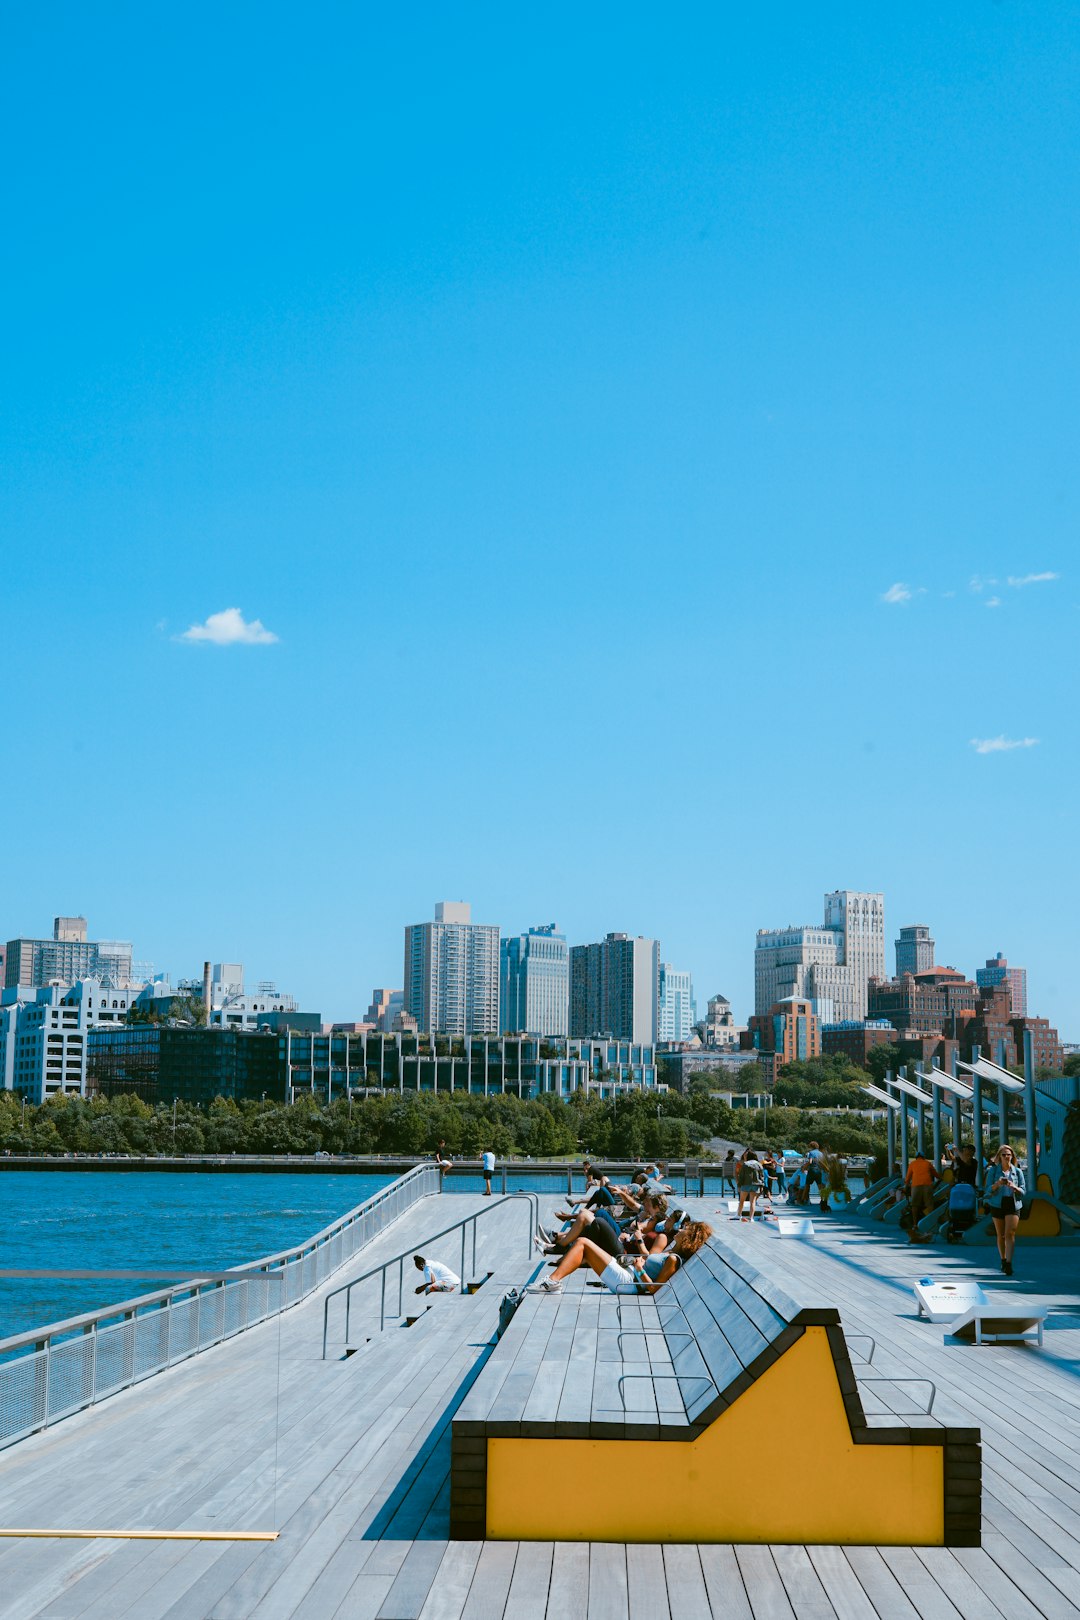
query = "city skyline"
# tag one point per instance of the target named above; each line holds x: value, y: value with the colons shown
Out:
x: 742, y: 1000
x: 464, y: 416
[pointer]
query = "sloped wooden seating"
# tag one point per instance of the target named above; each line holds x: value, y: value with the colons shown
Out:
x: 557, y: 1440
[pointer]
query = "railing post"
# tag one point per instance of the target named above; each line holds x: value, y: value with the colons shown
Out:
x: 1030, y: 1120
x: 474, y: 1248
x: 401, y: 1286
x: 382, y: 1302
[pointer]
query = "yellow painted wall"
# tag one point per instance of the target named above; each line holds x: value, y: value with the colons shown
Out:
x: 825, y: 1489
x: 1044, y: 1220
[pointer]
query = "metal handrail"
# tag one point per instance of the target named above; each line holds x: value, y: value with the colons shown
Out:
x: 400, y: 1259
x: 101, y: 1352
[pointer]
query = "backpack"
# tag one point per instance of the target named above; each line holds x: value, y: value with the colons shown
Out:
x: 507, y: 1306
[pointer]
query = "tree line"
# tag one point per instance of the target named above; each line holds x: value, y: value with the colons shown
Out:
x: 666, y: 1125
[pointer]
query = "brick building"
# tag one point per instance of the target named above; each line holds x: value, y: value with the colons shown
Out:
x: 855, y: 1039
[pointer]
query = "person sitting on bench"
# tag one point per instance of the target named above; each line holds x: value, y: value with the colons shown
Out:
x: 645, y: 1278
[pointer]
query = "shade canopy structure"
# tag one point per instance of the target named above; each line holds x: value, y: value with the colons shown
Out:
x: 947, y: 1082
x: 993, y: 1072
x: 913, y: 1090
x: 882, y: 1096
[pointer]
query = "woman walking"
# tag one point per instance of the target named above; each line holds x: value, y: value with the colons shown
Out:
x: 1003, y: 1191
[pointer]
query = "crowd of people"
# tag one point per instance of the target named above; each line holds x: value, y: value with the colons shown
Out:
x: 633, y: 1237
x: 759, y: 1177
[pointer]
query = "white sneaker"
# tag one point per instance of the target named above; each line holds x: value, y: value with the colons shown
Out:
x: 545, y: 1288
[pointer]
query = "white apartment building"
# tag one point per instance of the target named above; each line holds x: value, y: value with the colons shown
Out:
x: 234, y: 1007
x: 43, y: 1034
x: 829, y: 965
x: 452, y: 973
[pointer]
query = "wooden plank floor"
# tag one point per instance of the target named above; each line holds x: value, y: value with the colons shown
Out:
x: 350, y: 1461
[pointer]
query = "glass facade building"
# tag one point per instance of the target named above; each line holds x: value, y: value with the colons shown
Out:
x: 528, y: 1066
x: 534, y: 983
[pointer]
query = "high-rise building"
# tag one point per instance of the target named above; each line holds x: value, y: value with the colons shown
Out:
x: 452, y: 973
x: 33, y: 964
x: 859, y: 919
x: 997, y: 971
x: 615, y: 989
x: 829, y: 965
x: 677, y: 1011
x: 914, y: 950
x: 534, y: 983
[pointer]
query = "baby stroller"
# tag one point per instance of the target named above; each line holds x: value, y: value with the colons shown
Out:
x: 963, y: 1208
x: 799, y: 1188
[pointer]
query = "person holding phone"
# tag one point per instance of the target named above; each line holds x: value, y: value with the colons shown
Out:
x: 1003, y: 1193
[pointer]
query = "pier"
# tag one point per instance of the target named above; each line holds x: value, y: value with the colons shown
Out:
x: 348, y: 1460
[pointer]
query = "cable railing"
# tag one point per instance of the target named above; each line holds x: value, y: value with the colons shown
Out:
x: 463, y: 1226
x: 56, y: 1370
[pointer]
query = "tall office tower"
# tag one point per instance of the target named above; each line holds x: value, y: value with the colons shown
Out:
x: 615, y: 989
x: 34, y: 964
x: 677, y: 1010
x: 997, y: 971
x: 534, y: 983
x: 859, y: 919
x: 452, y: 973
x: 914, y: 950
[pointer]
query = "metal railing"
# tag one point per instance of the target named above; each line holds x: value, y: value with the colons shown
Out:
x: 75, y: 1363
x: 462, y: 1226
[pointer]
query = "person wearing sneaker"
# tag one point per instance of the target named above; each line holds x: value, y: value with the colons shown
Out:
x: 1003, y: 1193
x: 622, y: 1278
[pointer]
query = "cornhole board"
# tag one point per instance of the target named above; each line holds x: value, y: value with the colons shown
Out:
x: 999, y: 1321
x: 796, y: 1226
x: 945, y: 1301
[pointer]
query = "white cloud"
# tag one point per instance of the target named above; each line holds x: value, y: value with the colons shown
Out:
x: 992, y: 601
x: 897, y: 594
x: 978, y: 583
x: 230, y: 629
x: 1001, y: 745
x: 1018, y: 582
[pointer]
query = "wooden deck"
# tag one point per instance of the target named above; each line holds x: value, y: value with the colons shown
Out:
x: 350, y: 1461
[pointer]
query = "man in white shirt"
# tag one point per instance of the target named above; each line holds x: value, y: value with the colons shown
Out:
x: 438, y: 1279
x: 488, y: 1163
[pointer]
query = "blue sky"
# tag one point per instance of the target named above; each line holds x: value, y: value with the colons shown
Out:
x: 633, y: 428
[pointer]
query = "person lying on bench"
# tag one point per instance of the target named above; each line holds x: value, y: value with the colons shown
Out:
x: 438, y: 1279
x: 646, y: 1278
x: 603, y: 1225
x: 604, y: 1228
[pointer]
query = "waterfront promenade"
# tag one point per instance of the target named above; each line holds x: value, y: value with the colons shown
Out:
x: 350, y: 1460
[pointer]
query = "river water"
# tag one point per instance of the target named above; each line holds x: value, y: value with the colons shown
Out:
x: 81, y: 1220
